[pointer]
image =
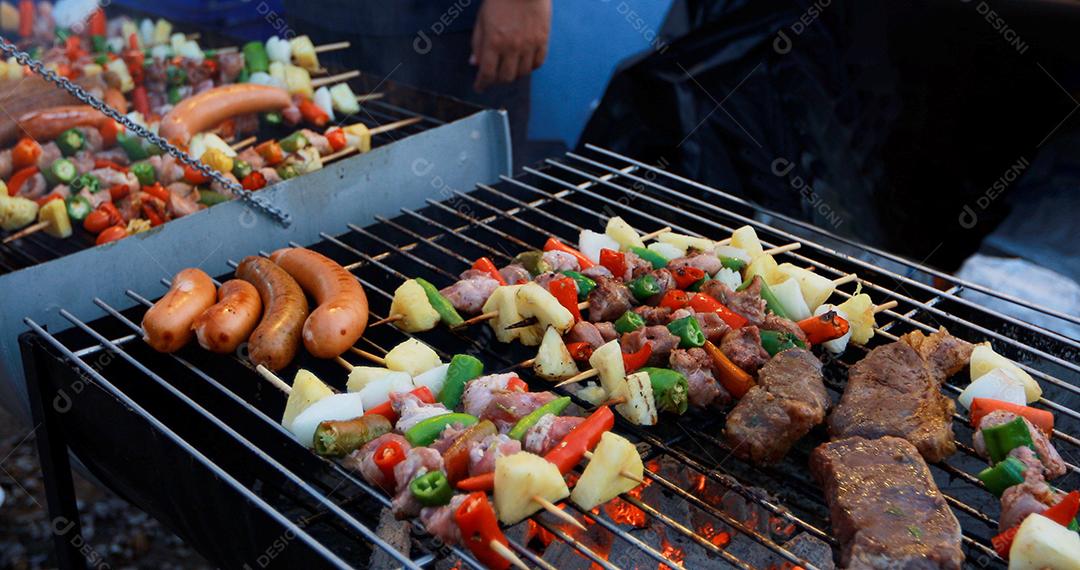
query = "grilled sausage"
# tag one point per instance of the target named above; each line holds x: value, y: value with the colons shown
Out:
x: 167, y: 325
x: 276, y: 339
x: 115, y: 99
x: 47, y: 124
x: 222, y: 327
x: 214, y: 106
x: 342, y: 312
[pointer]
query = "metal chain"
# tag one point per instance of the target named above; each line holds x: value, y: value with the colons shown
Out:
x: 82, y: 95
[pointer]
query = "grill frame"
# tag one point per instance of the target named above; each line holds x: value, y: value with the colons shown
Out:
x: 486, y: 212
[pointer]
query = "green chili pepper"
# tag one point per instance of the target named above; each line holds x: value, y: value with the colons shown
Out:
x: 176, y: 76
x: 432, y: 489
x: 341, y: 437
x: 696, y: 285
x: 61, y: 34
x: 732, y: 263
x: 442, y: 305
x: 775, y: 342
x: 658, y: 261
x: 771, y: 302
x: 629, y: 322
x: 175, y: 96
x: 294, y: 142
x: 241, y: 169
x: 78, y: 207
x: 584, y: 284
x: 287, y: 171
x: 688, y: 330
x: 644, y: 287
x: 463, y: 368
x: 133, y: 146
x: 61, y: 171
x: 273, y: 118
x: 533, y: 262
x: 88, y: 181
x: 1074, y: 526
x: 671, y: 391
x: 101, y: 60
x: 144, y: 171
x: 255, y: 58
x: 211, y: 198
x: 1003, y: 475
x: 554, y: 407
x: 427, y: 431
x: 1001, y: 439
x: 98, y: 44
x: 70, y: 142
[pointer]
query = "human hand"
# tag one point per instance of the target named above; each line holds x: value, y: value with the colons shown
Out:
x: 510, y: 40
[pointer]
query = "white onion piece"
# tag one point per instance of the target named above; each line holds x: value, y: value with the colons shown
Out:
x: 336, y: 407
x: 836, y: 345
x: 590, y: 243
x: 667, y: 250
x: 732, y: 252
x: 790, y: 296
x: 278, y: 49
x: 728, y: 277
x: 433, y: 379
x: 378, y: 390
x: 998, y: 384
x: 324, y: 101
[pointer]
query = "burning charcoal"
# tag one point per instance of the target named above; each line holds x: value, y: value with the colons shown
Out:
x: 396, y: 534
x: 563, y: 555
x: 813, y: 550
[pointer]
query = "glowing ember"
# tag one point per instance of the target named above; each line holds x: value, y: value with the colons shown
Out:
x: 717, y: 537
x: 624, y: 513
x: 786, y: 566
x: 671, y: 552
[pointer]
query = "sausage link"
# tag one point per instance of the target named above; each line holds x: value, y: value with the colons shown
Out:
x: 275, y: 341
x: 222, y: 327
x: 167, y: 325
x: 342, y: 312
x: 213, y: 106
x: 47, y: 124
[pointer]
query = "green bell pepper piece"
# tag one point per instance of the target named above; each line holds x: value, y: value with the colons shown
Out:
x: 554, y: 407
x: 629, y: 322
x: 294, y: 142
x: 70, y: 142
x: 658, y: 261
x: 241, y: 169
x: 670, y: 389
x: 144, y: 171
x: 644, y: 287
x: 174, y: 95
x: 61, y: 171
x: 732, y: 263
x: 98, y: 44
x: 696, y: 285
x: 176, y: 76
x: 88, y: 181
x: 432, y: 489
x: 287, y: 171
x: 688, y: 330
x: 533, y: 262
x: 133, y: 147
x: 211, y: 198
x: 775, y: 342
x: 463, y: 367
x: 274, y: 118
x: 427, y: 431
x: 255, y: 58
x: 584, y: 284
x: 78, y: 207
x: 1003, y: 475
x: 442, y: 305
x: 1001, y: 439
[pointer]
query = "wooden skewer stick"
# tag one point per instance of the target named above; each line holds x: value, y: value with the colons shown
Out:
x: 724, y: 241
x: 272, y: 378
x: 377, y: 130
x: 557, y: 512
x: 372, y: 357
x: 332, y: 47
x: 344, y: 363
x: 390, y: 319
x: 845, y: 279
x: 783, y: 248
x: 624, y: 473
x: 28, y: 230
x: 241, y: 145
x: 653, y: 235
x: 368, y: 97
x: 590, y: 373
x: 477, y: 319
x: 509, y: 555
x: 885, y: 306
x: 335, y: 78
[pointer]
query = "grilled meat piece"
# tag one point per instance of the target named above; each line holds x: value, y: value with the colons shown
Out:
x: 515, y: 273
x: 779, y: 324
x: 597, y: 271
x: 1034, y: 495
x: 788, y: 401
x: 470, y: 293
x: 412, y: 410
x: 635, y: 266
x: 363, y: 459
x: 418, y: 460
x: 489, y: 398
x: 5, y: 164
x: 695, y: 364
x: 661, y: 339
x: 747, y: 302
x: 895, y: 391
x: 743, y: 348
x: 711, y: 324
x: 482, y: 456
x: 706, y: 262
x: 561, y: 261
x: 944, y: 354
x: 439, y: 521
x: 654, y: 315
x: 548, y: 432
x: 609, y: 300
x: 885, y: 507
x: 584, y: 331
x: 1049, y: 459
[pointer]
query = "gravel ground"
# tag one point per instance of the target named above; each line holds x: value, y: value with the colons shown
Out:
x: 122, y: 536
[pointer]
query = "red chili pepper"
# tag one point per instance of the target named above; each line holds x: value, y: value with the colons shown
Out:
x: 566, y: 454
x: 579, y: 351
x: 133, y: 42
x: 46, y: 199
x: 152, y: 215
x: 109, y: 130
x: 634, y: 360
x: 271, y: 152
x: 686, y: 276
x: 253, y: 181
x: 615, y: 261
x: 1062, y: 513
x: 564, y: 290
x: 487, y: 266
x: 114, y: 214
x: 73, y: 47
x: 824, y: 327
x: 553, y: 244
x: 386, y: 457
x: 515, y: 384
x: 194, y: 176
x: 1041, y: 419
x: 119, y: 192
x: 111, y: 234
x: 387, y: 411
x: 26, y: 153
x: 479, y: 528
x: 16, y: 181
x: 702, y: 303
x: 26, y: 18
x: 313, y: 113
x: 102, y: 163
x: 158, y: 191
x: 336, y: 138
x: 140, y: 101
x: 675, y: 299
x: 97, y: 23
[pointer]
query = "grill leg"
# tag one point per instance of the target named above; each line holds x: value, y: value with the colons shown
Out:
x: 55, y: 465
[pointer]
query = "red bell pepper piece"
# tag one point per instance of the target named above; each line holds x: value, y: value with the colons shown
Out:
x: 615, y: 261
x: 479, y: 528
x: 1041, y: 419
x: 254, y: 181
x: 387, y: 411
x: 111, y: 234
x: 119, y: 191
x: 158, y: 191
x: 487, y: 266
x: 152, y: 215
x: 114, y: 214
x: 133, y: 42
x: 1063, y: 513
x: 271, y: 152
x: 102, y: 163
x: 26, y: 18
x: 49, y: 198
x: 564, y: 290
x: 824, y: 327
x: 193, y: 176
x: 702, y: 303
x: 516, y: 384
x: 313, y: 113
x: 336, y: 138
x: 109, y: 130
x: 73, y: 47
x: 579, y: 351
x: 686, y: 276
x: 97, y: 23
x: 386, y: 457
x: 140, y: 101
x: 553, y: 244
x: 675, y: 299
x: 26, y: 153
x: 634, y: 360
x: 17, y: 179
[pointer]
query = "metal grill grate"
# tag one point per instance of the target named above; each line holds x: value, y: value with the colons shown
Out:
x: 761, y: 512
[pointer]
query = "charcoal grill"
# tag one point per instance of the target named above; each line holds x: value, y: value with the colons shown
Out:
x: 193, y: 438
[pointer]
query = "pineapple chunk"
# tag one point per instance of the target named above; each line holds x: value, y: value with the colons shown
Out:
x: 361, y: 376
x: 306, y: 390
x: 303, y: 52
x: 553, y: 361
x: 411, y: 302
x: 1042, y: 543
x: 277, y: 72
x: 412, y: 357
x: 9, y: 18
x: 984, y: 359
x: 745, y: 238
x: 685, y: 242
x: 16, y: 212
x: 503, y: 301
x: 298, y: 81
x: 603, y: 479
x: 607, y: 360
x: 535, y: 301
x: 765, y: 266
x: 344, y: 100
x: 519, y: 478
x: 639, y: 407
x: 860, y: 311
x: 622, y: 232
x: 123, y: 76
x: 359, y: 135
x: 55, y: 212
x: 162, y: 32
x: 815, y: 288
